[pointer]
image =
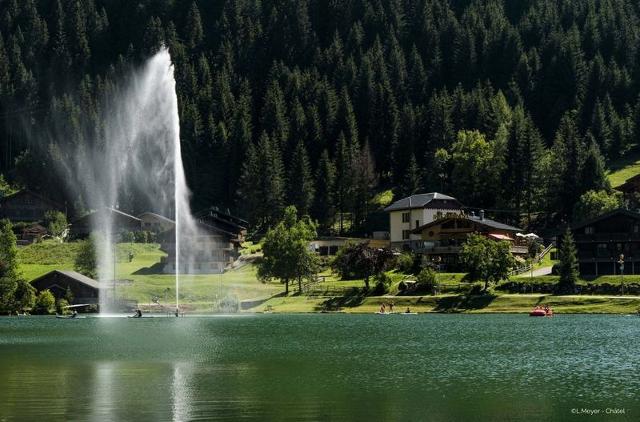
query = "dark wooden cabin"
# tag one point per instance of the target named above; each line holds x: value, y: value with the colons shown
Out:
x: 83, y: 288
x: 26, y: 206
x: 602, y: 241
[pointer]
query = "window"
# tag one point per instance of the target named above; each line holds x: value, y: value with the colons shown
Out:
x: 589, y: 230
x: 417, y: 223
x: 406, y: 234
x: 406, y: 217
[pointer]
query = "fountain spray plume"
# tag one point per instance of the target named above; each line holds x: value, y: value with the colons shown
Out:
x: 135, y: 165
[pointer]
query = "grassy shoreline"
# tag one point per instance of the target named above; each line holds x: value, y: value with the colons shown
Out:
x: 507, y: 303
x: 204, y: 293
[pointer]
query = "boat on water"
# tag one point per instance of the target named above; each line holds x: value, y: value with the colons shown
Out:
x: 541, y: 312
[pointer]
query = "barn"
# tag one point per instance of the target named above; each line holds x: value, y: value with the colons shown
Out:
x: 83, y: 288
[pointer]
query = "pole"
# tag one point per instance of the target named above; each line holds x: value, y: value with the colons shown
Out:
x: 114, y: 271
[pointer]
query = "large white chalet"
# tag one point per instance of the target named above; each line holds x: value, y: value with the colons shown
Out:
x: 407, y: 214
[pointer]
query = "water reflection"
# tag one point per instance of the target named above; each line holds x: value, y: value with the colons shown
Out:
x: 181, y: 392
x: 317, y: 368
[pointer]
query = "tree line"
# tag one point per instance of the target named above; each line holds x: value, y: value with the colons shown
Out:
x: 505, y: 105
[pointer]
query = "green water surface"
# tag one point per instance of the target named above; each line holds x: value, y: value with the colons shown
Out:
x: 320, y: 367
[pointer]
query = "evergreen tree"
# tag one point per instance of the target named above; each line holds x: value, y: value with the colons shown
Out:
x: 300, y: 183
x: 8, y: 251
x: 413, y: 178
x: 324, y: 204
x: 568, y: 268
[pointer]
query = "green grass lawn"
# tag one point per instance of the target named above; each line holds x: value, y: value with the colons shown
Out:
x: 623, y: 169
x: 142, y: 282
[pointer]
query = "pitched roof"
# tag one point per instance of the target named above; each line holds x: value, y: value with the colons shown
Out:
x: 623, y: 211
x: 80, y: 278
x: 158, y: 216
x: 418, y: 201
x: 487, y: 222
x: 107, y: 209
x: 53, y: 204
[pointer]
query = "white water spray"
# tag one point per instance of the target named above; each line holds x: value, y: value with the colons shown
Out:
x: 136, y: 166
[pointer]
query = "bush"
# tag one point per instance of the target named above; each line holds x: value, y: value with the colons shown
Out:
x: 45, y: 303
x: 127, y: 237
x: 382, y: 283
x: 404, y: 263
x: 427, y: 281
x: 141, y: 237
x: 228, y: 305
x: 61, y: 306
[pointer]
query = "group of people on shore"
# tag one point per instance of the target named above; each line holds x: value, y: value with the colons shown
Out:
x: 387, y: 308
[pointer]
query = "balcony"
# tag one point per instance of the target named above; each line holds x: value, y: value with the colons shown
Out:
x: 608, y: 237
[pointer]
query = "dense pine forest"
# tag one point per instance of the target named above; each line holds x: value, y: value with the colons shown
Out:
x: 508, y: 105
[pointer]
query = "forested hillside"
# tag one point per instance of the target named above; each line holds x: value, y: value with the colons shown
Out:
x: 512, y: 105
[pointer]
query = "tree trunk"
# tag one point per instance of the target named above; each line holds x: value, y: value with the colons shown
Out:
x: 366, y: 282
x: 286, y: 287
x: 300, y: 285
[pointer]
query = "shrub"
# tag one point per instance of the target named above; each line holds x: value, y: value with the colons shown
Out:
x: 45, y: 303
x: 382, y: 283
x: 404, y: 262
x: 427, y: 281
x: 61, y: 306
x: 86, y: 261
x: 127, y: 237
x: 228, y: 305
x: 141, y: 237
x: 56, y: 223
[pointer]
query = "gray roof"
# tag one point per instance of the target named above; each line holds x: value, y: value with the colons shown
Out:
x: 494, y: 224
x: 475, y: 218
x: 74, y: 275
x: 417, y: 201
x: 158, y: 216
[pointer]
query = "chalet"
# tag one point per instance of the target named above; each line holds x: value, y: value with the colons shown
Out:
x: 410, y: 213
x: 329, y: 246
x: 83, y: 288
x: 213, y: 248
x: 223, y: 219
x: 155, y: 223
x: 441, y: 240
x: 122, y: 222
x: 602, y: 241
x: 31, y: 233
x: 26, y: 206
x: 631, y: 187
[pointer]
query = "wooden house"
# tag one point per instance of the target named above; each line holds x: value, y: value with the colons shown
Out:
x: 27, y: 206
x: 122, y: 222
x: 83, y: 288
x: 603, y: 240
x: 441, y: 240
x: 214, y: 247
x: 155, y: 223
x: 412, y: 212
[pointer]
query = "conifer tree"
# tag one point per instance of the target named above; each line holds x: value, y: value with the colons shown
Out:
x: 568, y: 263
x: 324, y: 205
x: 300, y: 182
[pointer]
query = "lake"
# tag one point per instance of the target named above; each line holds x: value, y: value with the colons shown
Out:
x: 320, y: 367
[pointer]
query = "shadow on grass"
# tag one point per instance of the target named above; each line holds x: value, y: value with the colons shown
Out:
x: 463, y: 303
x: 154, y: 269
x: 353, y: 297
x: 248, y: 304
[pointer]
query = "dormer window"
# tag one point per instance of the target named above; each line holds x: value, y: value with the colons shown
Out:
x: 589, y: 230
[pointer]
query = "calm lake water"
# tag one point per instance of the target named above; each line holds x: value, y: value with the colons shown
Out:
x: 320, y: 367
